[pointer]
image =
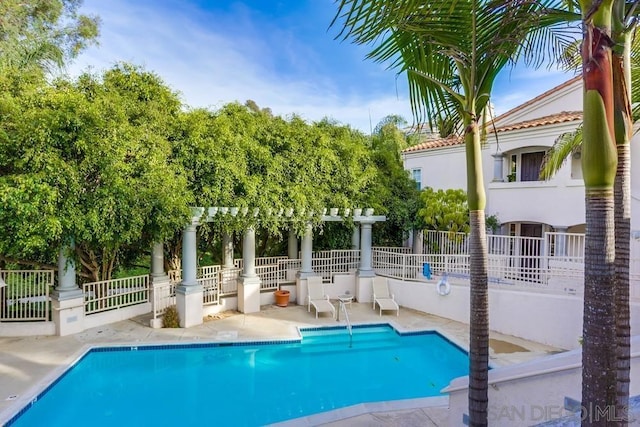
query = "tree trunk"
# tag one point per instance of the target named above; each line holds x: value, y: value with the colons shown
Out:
x: 479, y: 301
x: 599, y: 164
x: 623, y: 122
x: 622, y: 237
x: 598, y: 349
x: 478, y: 322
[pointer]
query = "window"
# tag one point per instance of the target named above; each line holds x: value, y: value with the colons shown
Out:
x: 525, y: 166
x: 416, y: 174
x: 513, y: 168
x: 530, y: 166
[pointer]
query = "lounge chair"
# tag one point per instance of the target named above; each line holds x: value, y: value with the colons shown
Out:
x: 382, y: 297
x: 317, y: 298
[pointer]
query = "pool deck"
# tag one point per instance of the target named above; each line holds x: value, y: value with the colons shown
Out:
x: 29, y: 364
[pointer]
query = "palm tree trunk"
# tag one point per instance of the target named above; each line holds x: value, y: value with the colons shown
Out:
x: 623, y: 122
x: 478, y: 322
x: 599, y: 164
x: 479, y: 298
x: 598, y: 352
x: 622, y: 237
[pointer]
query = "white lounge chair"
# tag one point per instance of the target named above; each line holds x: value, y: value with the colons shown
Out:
x: 317, y: 298
x: 382, y: 297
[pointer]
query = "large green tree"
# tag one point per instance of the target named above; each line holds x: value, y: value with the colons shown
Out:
x: 88, y: 161
x: 244, y: 156
x: 452, y: 52
x: 43, y: 33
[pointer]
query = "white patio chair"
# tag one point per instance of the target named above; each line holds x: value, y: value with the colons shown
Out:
x: 317, y: 298
x: 382, y: 296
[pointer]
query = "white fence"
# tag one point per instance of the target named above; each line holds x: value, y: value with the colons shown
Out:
x: 116, y: 293
x: 163, y: 298
x: 24, y: 295
x: 554, y: 262
x: 328, y: 263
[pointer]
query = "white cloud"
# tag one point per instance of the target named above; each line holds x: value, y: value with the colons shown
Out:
x: 213, y: 65
x: 213, y: 59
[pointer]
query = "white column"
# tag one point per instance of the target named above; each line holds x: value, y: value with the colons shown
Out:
x: 355, y: 238
x: 67, y: 300
x: 307, y: 251
x: 189, y: 256
x: 160, y: 283
x: 227, y: 250
x: 293, y: 244
x: 365, y: 250
x: 67, y: 286
x: 157, y: 260
x: 418, y: 241
x: 189, y: 292
x: 561, y: 241
x: 249, y: 253
x: 249, y: 282
x: 498, y: 170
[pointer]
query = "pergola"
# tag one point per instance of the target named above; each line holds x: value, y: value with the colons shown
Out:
x: 189, y: 293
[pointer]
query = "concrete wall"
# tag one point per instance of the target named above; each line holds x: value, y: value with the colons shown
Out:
x: 532, y: 393
x: 27, y: 329
x: 547, y: 318
x: 112, y: 316
x: 441, y: 168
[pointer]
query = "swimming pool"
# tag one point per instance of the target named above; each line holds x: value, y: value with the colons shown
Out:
x: 247, y: 383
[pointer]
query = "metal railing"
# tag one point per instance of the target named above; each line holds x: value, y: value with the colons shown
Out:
x: 163, y: 297
x: 396, y: 249
x: 113, y: 294
x: 229, y: 281
x: 544, y: 273
x: 335, y: 262
x: 24, y: 295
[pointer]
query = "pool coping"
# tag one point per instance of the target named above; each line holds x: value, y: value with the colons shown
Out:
x: 24, y: 402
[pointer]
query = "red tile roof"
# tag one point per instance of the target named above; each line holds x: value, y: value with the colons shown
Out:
x: 538, y: 98
x: 436, y: 143
x: 565, y: 116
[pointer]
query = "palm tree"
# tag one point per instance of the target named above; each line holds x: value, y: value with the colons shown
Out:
x: 623, y: 28
x: 452, y: 52
x: 625, y: 52
x: 599, y: 163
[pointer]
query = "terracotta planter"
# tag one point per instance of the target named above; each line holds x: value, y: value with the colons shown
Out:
x: 282, y: 298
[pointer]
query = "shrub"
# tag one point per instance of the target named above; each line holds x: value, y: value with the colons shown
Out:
x: 170, y: 318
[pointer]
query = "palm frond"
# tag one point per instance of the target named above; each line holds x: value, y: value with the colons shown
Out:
x: 635, y: 77
x: 439, y: 42
x: 554, y: 158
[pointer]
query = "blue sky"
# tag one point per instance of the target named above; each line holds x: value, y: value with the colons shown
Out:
x: 280, y: 53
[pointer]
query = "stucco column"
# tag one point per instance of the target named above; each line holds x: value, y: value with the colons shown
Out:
x: 498, y: 174
x: 189, y: 256
x: 227, y: 250
x: 67, y: 285
x: 307, y: 251
x: 249, y: 253
x: 365, y: 249
x: 355, y: 238
x: 561, y: 241
x: 189, y: 292
x: 417, y: 245
x: 249, y: 282
x: 67, y: 300
x: 157, y: 260
x: 293, y: 244
x: 160, y: 283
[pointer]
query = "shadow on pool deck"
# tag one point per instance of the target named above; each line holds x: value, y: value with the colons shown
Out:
x: 29, y: 364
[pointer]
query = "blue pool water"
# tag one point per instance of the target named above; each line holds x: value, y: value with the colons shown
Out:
x: 247, y: 384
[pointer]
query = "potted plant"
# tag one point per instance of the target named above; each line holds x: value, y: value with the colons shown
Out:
x: 282, y: 298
